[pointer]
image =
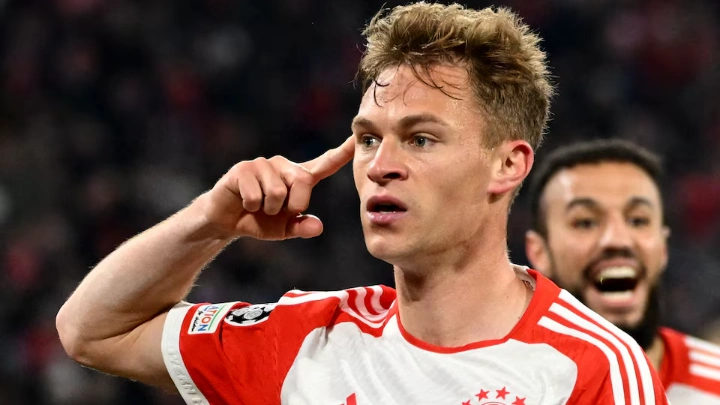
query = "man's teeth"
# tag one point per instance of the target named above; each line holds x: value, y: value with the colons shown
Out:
x: 617, y: 272
x: 616, y: 282
x: 617, y: 295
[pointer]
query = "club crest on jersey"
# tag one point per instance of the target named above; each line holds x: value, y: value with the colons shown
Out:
x: 250, y: 315
x: 495, y: 397
x: 207, y: 318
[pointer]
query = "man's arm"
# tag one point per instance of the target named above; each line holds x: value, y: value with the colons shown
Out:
x: 113, y: 322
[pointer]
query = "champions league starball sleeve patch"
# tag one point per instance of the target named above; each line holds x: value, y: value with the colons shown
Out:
x: 250, y: 315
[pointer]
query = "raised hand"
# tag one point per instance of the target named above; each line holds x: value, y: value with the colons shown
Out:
x: 265, y: 198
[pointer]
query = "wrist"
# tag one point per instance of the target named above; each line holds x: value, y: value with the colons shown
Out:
x: 201, y: 225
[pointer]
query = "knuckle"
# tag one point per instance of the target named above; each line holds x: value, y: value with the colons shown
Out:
x: 240, y: 167
x: 277, y: 159
x: 237, y: 167
x: 276, y: 192
x: 255, y: 164
x: 297, y: 174
x: 253, y: 197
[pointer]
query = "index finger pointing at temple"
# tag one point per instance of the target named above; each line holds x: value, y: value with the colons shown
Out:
x: 331, y: 161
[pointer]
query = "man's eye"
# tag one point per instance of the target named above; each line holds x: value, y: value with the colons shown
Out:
x: 421, y: 141
x: 583, y: 223
x: 639, y: 221
x: 368, y: 140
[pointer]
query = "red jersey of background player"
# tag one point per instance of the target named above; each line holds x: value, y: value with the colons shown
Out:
x: 690, y: 369
x: 349, y: 347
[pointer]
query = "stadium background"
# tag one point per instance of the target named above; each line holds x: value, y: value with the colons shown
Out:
x: 114, y: 114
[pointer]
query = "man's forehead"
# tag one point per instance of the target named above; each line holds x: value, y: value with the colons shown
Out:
x: 608, y: 182
x: 404, y: 82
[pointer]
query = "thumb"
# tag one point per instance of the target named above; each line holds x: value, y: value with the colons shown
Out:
x: 304, y: 226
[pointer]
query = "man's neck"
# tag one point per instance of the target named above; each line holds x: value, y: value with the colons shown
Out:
x: 453, y: 306
x: 655, y: 352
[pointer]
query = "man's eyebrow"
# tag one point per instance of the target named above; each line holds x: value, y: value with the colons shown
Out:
x: 406, y: 122
x: 414, y: 119
x: 361, y: 122
x: 584, y: 202
x: 637, y: 201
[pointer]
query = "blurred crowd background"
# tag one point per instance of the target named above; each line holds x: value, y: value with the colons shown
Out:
x: 115, y: 114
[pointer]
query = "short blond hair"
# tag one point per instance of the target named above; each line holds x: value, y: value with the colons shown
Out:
x: 505, y: 64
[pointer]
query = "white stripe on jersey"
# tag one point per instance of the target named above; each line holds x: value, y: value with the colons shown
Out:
x: 695, y: 343
x: 645, y: 375
x: 362, y: 308
x: 375, y: 301
x: 360, y: 318
x: 311, y: 296
x: 343, y: 296
x: 703, y: 371
x: 589, y: 326
x: 170, y: 347
x: 706, y: 359
x: 615, y: 376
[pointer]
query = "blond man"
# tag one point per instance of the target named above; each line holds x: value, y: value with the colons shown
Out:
x: 454, y: 103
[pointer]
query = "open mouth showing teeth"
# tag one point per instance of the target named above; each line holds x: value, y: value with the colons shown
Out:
x: 616, y: 280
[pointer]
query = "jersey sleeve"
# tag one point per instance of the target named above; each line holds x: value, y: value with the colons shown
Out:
x: 611, y: 367
x: 613, y: 387
x: 237, y: 353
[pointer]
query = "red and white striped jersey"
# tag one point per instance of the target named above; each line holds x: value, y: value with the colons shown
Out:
x: 690, y: 369
x: 349, y: 348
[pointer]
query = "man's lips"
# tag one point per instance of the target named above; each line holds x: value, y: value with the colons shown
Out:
x: 385, y: 204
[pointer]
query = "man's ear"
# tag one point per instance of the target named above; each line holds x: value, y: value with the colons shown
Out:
x: 536, y: 250
x: 511, y: 164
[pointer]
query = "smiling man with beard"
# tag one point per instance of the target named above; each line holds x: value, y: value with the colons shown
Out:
x: 599, y: 233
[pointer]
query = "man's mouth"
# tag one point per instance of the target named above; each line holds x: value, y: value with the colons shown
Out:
x: 617, y: 281
x: 385, y: 205
x: 386, y: 208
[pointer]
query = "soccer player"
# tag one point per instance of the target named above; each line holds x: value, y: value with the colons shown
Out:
x: 454, y: 102
x: 599, y: 233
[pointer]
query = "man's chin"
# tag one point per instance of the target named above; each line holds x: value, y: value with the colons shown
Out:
x: 385, y: 250
x: 644, y: 334
x: 399, y: 255
x: 628, y: 320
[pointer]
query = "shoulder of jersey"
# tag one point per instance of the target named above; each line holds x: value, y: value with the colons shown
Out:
x: 572, y: 327
x: 703, y: 361
x: 367, y: 305
x: 598, y: 348
x: 563, y: 321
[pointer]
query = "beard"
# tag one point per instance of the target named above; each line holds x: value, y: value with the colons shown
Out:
x: 644, y: 331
